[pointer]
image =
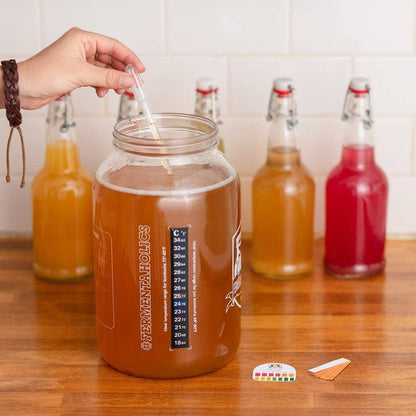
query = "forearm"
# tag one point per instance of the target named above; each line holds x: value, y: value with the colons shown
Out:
x: 77, y: 59
x: 26, y: 83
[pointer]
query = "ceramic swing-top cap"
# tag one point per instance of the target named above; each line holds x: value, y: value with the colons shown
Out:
x: 206, y: 85
x: 360, y: 84
x: 282, y: 85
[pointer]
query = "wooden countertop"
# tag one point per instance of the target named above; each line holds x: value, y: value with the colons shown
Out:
x: 50, y: 364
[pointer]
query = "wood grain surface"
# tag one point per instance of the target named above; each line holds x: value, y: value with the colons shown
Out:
x: 50, y: 364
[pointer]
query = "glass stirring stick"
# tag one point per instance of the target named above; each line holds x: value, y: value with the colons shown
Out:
x: 141, y: 98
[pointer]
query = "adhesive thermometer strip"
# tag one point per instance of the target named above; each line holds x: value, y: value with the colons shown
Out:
x: 274, y: 372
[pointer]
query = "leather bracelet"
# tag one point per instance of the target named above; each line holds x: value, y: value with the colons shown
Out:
x: 12, y: 104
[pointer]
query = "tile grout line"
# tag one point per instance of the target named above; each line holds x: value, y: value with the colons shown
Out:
x: 412, y: 147
x: 279, y: 55
x: 271, y: 55
x: 164, y: 29
x: 106, y: 107
x: 414, y: 26
x: 252, y: 116
x: 290, y: 27
x: 228, y: 62
x: 41, y: 34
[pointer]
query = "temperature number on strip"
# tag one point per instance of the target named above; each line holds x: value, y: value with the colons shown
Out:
x: 179, y: 287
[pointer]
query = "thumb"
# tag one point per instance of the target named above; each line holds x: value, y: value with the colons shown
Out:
x: 94, y: 76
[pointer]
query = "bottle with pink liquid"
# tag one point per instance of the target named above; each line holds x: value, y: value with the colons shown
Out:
x: 356, y: 195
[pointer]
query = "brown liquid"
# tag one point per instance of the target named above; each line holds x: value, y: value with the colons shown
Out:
x: 134, y: 319
x: 283, y: 205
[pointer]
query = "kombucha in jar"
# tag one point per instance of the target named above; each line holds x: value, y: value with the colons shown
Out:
x: 62, y: 203
x: 207, y: 105
x: 167, y: 250
x: 356, y: 195
x: 283, y: 197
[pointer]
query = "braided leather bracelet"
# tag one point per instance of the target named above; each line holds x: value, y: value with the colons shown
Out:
x: 12, y: 104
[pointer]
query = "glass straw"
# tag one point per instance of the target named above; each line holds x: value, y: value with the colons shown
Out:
x: 141, y: 98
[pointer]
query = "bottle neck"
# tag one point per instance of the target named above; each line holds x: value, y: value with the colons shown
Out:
x: 206, y: 105
x: 61, y: 143
x: 357, y: 131
x: 358, y: 140
x: 283, y: 147
x: 128, y: 107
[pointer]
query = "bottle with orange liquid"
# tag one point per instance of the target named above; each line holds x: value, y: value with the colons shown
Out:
x: 62, y: 203
x: 207, y: 105
x: 356, y: 195
x: 283, y: 196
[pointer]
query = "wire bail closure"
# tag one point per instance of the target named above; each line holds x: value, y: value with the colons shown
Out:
x: 65, y: 125
x: 291, y: 123
x: 370, y: 121
x: 214, y: 105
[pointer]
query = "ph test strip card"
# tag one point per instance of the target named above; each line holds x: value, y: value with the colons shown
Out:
x: 274, y: 372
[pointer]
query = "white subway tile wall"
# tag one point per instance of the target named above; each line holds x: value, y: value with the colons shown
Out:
x: 393, y: 81
x: 86, y: 103
x: 229, y: 27
x: 318, y: 83
x: 20, y: 28
x: 137, y: 23
x: 372, y: 27
x: 170, y: 82
x: 15, y: 207
x: 320, y: 43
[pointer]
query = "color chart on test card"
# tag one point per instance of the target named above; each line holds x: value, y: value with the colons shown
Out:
x: 274, y: 372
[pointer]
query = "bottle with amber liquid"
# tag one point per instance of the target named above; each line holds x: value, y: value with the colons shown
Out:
x: 207, y: 105
x: 62, y: 203
x: 283, y: 196
x: 128, y: 107
x: 356, y: 195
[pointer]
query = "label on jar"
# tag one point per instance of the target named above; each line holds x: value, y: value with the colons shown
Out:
x: 145, y: 287
x: 179, y: 287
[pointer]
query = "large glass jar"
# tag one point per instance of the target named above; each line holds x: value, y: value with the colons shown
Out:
x: 167, y: 249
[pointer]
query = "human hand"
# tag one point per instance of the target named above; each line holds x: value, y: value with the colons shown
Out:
x: 77, y: 59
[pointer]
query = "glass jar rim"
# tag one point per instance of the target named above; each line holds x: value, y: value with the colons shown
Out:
x: 189, y: 134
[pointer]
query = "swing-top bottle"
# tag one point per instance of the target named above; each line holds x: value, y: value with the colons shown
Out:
x: 207, y: 105
x: 62, y: 202
x: 283, y: 196
x: 356, y: 194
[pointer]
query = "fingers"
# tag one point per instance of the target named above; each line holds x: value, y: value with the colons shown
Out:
x: 105, y: 78
x: 111, y: 61
x: 101, y: 92
x: 114, y: 49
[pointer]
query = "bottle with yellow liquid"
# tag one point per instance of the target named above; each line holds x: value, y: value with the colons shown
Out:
x: 207, y: 105
x: 283, y: 196
x: 62, y: 203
